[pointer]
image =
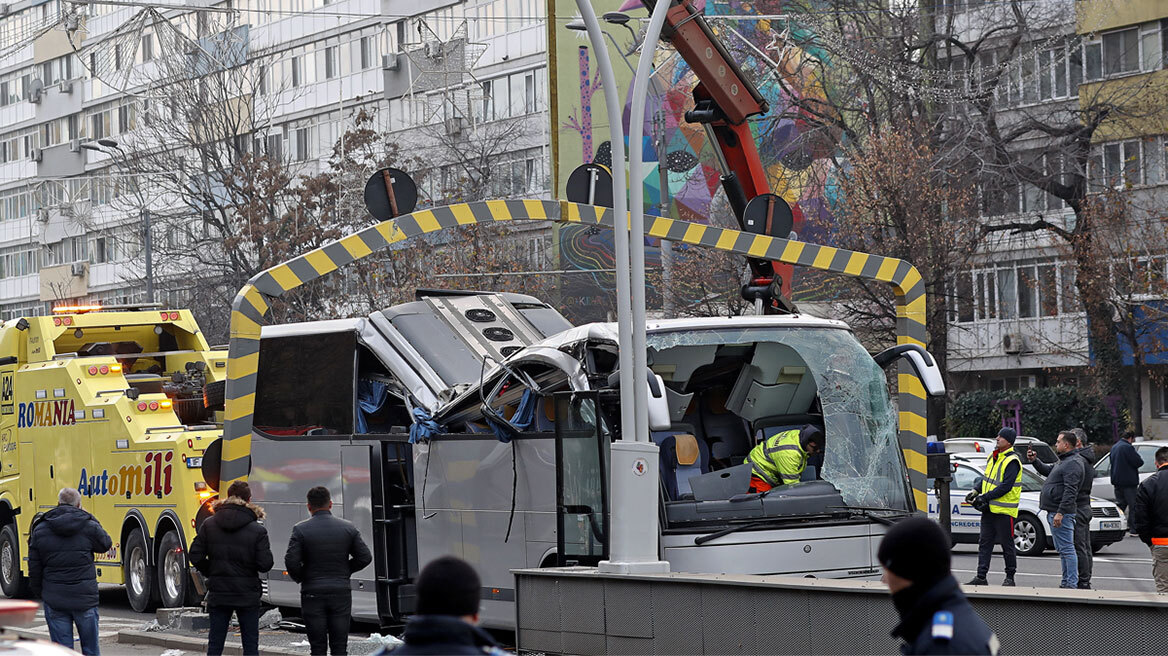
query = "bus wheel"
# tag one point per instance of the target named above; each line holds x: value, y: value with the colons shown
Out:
x: 12, y: 581
x: 174, y: 580
x: 137, y: 573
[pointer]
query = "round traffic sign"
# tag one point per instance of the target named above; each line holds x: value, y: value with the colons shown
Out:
x: 768, y: 214
x: 590, y: 184
x: 389, y: 193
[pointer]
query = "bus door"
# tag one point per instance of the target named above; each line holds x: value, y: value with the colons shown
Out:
x: 395, y: 537
x: 582, y: 503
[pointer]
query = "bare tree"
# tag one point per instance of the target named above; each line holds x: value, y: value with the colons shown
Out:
x: 969, y: 85
x: 1132, y: 243
x: 895, y: 200
x: 204, y: 164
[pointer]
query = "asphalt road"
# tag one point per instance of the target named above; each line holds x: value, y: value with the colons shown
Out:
x: 1125, y: 565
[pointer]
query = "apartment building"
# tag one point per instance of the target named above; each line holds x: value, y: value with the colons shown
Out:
x: 75, y: 87
x: 1015, y: 317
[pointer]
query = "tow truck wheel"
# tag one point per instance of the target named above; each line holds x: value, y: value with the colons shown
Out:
x: 138, y: 574
x: 12, y: 581
x: 174, y: 581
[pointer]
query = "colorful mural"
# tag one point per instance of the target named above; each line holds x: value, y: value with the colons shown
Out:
x: 793, y: 153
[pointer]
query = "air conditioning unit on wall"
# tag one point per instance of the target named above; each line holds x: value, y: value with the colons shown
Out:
x: 1014, y: 343
x: 78, y: 269
x: 456, y: 125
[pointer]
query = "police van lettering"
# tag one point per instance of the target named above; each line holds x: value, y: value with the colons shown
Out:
x: 130, y: 480
x: 35, y: 414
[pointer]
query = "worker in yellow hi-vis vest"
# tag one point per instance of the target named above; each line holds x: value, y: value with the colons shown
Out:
x: 998, y: 494
x: 781, y: 458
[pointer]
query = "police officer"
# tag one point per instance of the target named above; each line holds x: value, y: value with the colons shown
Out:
x: 999, y: 492
x: 781, y: 458
x: 935, y: 617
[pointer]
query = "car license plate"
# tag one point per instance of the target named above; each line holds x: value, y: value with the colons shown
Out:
x: 194, y: 463
x: 1110, y: 526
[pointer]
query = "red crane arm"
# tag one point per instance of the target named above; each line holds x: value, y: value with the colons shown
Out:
x: 724, y: 99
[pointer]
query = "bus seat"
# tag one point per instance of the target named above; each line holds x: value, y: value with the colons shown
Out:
x: 728, y: 429
x: 682, y: 457
x: 545, y: 415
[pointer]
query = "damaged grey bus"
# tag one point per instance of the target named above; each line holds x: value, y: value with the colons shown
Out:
x: 478, y: 424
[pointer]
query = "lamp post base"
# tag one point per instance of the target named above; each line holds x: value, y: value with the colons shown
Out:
x: 634, y: 514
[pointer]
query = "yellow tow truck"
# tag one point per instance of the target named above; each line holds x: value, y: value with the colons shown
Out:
x: 119, y: 403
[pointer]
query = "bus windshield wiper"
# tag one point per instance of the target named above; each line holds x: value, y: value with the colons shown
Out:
x: 702, y: 539
x: 890, y: 516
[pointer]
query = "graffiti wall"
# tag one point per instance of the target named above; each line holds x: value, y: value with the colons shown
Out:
x: 681, y: 178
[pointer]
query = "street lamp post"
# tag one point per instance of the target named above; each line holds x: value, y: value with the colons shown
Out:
x: 144, y: 222
x: 633, y: 474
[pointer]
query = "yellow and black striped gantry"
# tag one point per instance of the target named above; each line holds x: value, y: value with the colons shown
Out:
x: 250, y: 308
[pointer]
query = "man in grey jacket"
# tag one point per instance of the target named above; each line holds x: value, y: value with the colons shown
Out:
x: 1058, y: 499
x: 1084, y: 555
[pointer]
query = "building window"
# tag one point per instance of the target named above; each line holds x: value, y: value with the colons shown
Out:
x: 1121, y: 51
x: 275, y: 148
x: 330, y: 62
x: 1158, y: 391
x: 296, y: 75
x: 1013, y: 383
x: 366, y: 47
x: 302, y: 144
x: 488, y: 100
x: 1151, y: 56
x: 529, y: 93
x: 147, y: 47
x: 123, y: 119
x: 1007, y: 294
x: 964, y: 298
x: 1117, y: 165
x: 117, y: 56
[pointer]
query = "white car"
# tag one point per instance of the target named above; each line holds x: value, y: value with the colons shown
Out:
x: 973, y: 446
x: 1032, y: 532
x: 1147, y: 450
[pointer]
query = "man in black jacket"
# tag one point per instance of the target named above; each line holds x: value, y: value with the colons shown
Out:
x: 232, y: 550
x: 61, y: 570
x: 323, y: 553
x: 448, y: 593
x: 1083, y: 550
x: 1125, y: 471
x: 935, y: 617
x: 1150, y: 517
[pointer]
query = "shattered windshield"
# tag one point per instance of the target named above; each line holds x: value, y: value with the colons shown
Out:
x: 862, y: 455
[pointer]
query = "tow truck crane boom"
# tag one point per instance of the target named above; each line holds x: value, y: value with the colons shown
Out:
x: 724, y: 99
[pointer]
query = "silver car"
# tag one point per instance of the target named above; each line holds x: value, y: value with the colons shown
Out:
x: 1102, y: 486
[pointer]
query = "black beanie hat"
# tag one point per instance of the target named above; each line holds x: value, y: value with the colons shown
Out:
x: 915, y: 549
x: 1008, y: 434
x: 448, y: 586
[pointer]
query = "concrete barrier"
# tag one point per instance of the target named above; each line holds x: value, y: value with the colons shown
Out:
x: 577, y: 610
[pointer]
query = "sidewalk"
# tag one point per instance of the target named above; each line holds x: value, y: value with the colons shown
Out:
x: 117, y: 634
